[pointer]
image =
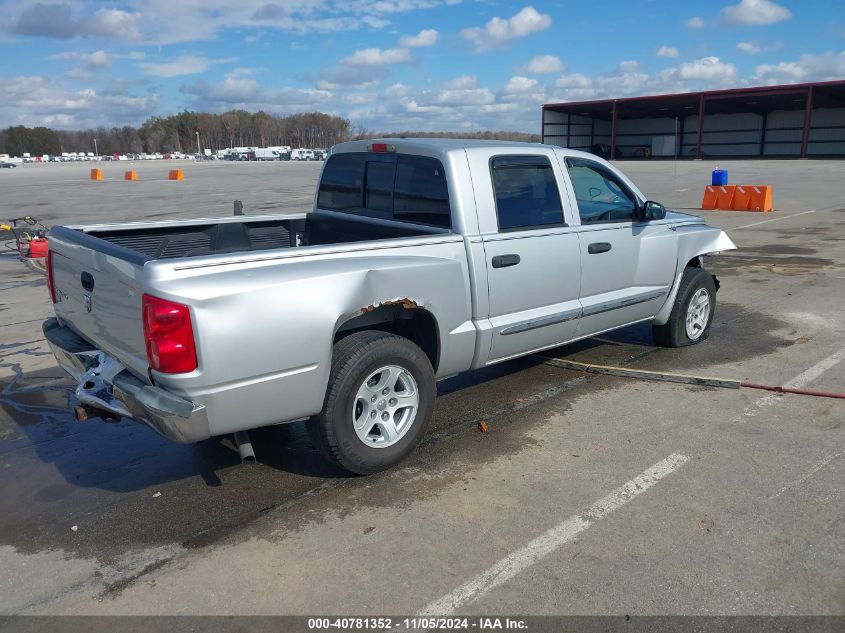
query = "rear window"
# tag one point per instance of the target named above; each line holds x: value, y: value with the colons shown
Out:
x: 387, y: 186
x: 340, y: 187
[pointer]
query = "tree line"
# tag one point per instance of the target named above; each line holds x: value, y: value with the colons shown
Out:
x: 178, y: 133
x: 238, y: 128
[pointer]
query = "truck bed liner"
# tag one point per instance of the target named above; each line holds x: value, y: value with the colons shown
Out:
x: 171, y: 242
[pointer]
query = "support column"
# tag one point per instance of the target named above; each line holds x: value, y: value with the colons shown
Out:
x: 765, y: 124
x: 613, y: 132
x: 700, y: 126
x: 808, y: 115
x: 569, y: 129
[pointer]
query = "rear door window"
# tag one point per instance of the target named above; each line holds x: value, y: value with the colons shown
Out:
x: 526, y: 192
x: 387, y: 186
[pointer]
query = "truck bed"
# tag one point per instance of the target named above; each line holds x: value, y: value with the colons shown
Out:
x: 168, y: 240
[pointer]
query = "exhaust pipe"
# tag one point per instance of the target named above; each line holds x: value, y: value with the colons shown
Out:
x: 244, y: 447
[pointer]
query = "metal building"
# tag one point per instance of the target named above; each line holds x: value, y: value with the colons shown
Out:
x: 791, y: 121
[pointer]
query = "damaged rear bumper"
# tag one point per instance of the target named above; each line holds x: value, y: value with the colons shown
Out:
x: 106, y: 385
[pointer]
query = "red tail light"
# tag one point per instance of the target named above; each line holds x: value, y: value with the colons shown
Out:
x: 169, y: 335
x: 382, y: 147
x: 51, y: 284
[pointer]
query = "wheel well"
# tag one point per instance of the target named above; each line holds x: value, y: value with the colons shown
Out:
x: 413, y: 323
x: 695, y: 262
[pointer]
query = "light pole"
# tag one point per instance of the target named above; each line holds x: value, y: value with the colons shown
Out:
x: 199, y: 151
x: 96, y: 153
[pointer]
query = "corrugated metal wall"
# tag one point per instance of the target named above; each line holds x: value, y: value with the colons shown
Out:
x: 777, y: 134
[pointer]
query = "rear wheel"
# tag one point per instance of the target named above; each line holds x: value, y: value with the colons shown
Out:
x: 692, y: 314
x: 379, y: 401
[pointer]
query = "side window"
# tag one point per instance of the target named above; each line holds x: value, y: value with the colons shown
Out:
x: 420, y: 193
x: 340, y: 186
x: 526, y: 192
x: 601, y: 195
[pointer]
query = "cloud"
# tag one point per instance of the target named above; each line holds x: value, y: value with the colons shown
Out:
x: 182, y: 65
x: 93, y: 61
x: 499, y: 31
x: 519, y: 85
x: 749, y: 47
x: 113, y: 23
x: 378, y: 57
x: 667, y: 51
x: 543, y: 64
x: 710, y: 69
x: 58, y: 21
x: 755, y: 13
x: 426, y: 37
x: 229, y: 90
x: 249, y: 94
x: 46, y: 20
x: 463, y: 82
x: 37, y: 100
x: 694, y: 22
x: 156, y: 22
x: 809, y: 67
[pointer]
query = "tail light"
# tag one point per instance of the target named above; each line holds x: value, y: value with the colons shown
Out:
x: 51, y: 284
x: 169, y: 335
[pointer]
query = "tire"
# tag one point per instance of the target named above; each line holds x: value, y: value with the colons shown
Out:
x: 695, y: 285
x: 360, y: 362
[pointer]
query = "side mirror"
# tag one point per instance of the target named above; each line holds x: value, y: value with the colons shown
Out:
x: 653, y: 211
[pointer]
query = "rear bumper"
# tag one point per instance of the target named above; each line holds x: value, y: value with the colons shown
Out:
x: 107, y: 385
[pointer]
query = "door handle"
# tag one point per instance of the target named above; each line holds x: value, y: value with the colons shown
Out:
x: 503, y: 261
x: 598, y: 247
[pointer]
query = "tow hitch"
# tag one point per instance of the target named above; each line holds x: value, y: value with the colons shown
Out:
x: 96, y: 394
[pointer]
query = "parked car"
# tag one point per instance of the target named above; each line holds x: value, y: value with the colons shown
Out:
x: 421, y: 259
x: 5, y: 165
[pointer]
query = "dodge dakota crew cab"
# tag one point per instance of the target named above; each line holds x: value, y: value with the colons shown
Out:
x: 421, y: 259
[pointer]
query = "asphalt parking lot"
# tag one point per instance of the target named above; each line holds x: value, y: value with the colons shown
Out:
x: 588, y: 494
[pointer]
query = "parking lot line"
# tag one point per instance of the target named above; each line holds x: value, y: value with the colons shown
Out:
x: 809, y: 375
x: 807, y: 475
x: 804, y: 378
x: 561, y: 534
x: 794, y: 215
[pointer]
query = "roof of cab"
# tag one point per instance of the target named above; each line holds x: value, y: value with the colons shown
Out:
x: 445, y: 145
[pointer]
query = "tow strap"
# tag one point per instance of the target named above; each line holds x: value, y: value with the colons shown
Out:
x: 686, y: 379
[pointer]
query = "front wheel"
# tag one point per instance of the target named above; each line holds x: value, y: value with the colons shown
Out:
x: 379, y: 401
x: 692, y: 313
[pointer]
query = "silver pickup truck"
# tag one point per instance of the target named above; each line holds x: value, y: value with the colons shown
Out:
x: 421, y: 259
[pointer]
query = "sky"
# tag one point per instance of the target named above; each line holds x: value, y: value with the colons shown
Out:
x: 394, y: 65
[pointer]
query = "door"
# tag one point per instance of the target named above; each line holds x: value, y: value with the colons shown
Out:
x: 533, y: 264
x: 627, y: 265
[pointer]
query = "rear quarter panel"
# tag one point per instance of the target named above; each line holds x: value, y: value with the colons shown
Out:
x: 265, y: 326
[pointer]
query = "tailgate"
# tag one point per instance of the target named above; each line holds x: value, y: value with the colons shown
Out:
x: 99, y: 297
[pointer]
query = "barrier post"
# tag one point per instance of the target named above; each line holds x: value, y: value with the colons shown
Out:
x: 176, y: 174
x: 761, y: 198
x: 742, y: 198
x: 131, y: 175
x: 725, y: 197
x: 96, y: 174
x: 708, y: 203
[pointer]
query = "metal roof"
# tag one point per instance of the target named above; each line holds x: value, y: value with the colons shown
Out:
x: 709, y: 94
